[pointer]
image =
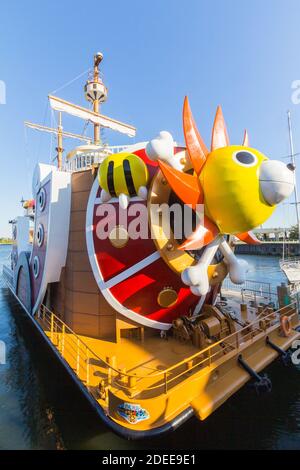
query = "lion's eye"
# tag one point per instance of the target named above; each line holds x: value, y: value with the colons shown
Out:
x: 245, y: 158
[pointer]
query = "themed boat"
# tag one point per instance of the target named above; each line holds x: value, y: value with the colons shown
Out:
x: 119, y: 259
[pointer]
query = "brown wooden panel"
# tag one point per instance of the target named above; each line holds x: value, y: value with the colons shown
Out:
x: 84, y: 282
x: 77, y: 241
x: 68, y: 317
x: 69, y: 299
x: 104, y: 307
x: 69, y: 279
x: 79, y: 200
x: 77, y: 221
x: 85, y: 324
x: 107, y: 326
x: 82, y: 181
x: 79, y: 261
x: 85, y: 303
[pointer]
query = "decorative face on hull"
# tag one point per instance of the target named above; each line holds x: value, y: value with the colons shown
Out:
x: 155, y: 280
x: 133, y: 276
x: 238, y: 186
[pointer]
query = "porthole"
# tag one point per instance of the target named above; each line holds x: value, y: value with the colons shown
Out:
x: 119, y: 236
x: 36, y: 266
x: 40, y: 235
x: 42, y: 199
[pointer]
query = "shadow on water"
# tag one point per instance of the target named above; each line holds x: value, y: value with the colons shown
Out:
x: 41, y: 408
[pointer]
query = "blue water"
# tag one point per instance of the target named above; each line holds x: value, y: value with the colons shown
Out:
x: 264, y: 269
x: 40, y: 408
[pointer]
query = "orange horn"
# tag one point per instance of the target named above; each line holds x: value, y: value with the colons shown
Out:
x: 246, y: 139
x: 219, y: 134
x: 202, y: 236
x: 195, y: 145
x: 187, y: 187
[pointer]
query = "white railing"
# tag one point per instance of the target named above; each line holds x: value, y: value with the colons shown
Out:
x: 290, y: 262
x: 85, y: 161
x: 252, y: 290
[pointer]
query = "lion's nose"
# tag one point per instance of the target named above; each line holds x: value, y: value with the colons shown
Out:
x: 276, y: 180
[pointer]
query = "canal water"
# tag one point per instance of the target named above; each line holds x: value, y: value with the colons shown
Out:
x: 40, y: 408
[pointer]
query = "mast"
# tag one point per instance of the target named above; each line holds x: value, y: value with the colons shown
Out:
x: 294, y: 166
x: 59, y: 147
x: 97, y: 60
x: 96, y: 93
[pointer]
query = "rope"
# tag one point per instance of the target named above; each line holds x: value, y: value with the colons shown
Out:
x: 86, y: 123
x: 27, y: 160
x: 85, y: 126
x: 37, y: 153
x: 71, y: 81
x: 40, y: 136
x: 53, y: 120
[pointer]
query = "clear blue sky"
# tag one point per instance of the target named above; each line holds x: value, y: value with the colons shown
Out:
x: 241, y: 54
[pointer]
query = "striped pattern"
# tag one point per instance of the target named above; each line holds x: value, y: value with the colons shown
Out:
x: 128, y: 178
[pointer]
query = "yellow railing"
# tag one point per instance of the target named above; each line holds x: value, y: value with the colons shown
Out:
x: 98, y: 373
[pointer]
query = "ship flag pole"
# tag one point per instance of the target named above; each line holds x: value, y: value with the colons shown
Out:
x: 293, y: 163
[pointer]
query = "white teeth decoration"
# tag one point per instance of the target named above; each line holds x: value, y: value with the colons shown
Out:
x: 104, y: 196
x: 143, y: 192
x: 123, y: 201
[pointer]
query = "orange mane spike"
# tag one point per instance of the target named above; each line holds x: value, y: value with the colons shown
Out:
x: 202, y: 236
x: 219, y: 134
x: 248, y: 237
x: 196, y: 148
x: 187, y: 187
x: 246, y: 139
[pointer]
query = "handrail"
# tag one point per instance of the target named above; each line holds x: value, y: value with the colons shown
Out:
x: 164, y: 373
x: 86, y: 159
x: 252, y: 289
x: 289, y: 259
x: 261, y: 287
x: 9, y: 274
x: 59, y: 321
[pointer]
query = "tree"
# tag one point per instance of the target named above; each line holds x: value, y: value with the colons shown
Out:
x: 294, y: 233
x: 5, y: 240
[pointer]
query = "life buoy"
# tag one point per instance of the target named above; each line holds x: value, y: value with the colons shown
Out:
x: 286, y: 325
